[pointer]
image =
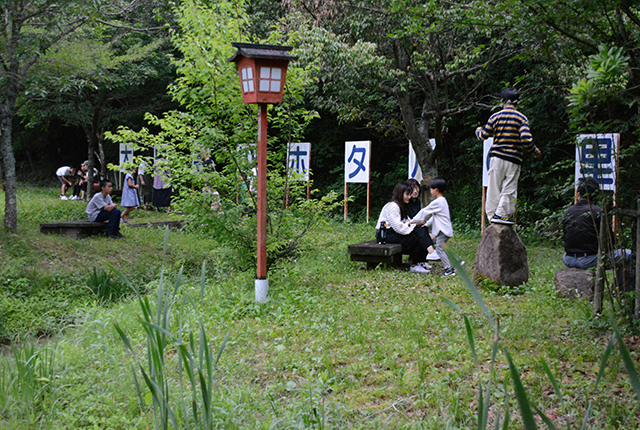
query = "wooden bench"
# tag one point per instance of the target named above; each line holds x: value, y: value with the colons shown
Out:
x: 79, y: 229
x: 374, y: 253
x: 75, y: 229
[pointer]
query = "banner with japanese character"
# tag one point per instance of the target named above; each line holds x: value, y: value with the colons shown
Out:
x: 415, y: 171
x: 596, y: 157
x: 486, y: 161
x: 299, y: 156
x: 126, y: 154
x: 356, y: 161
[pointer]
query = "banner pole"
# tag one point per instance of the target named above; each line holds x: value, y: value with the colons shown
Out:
x: 483, y: 223
x: 346, y: 192
x: 368, y: 199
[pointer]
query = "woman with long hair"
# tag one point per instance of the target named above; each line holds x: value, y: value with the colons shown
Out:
x: 415, y: 203
x: 415, y: 241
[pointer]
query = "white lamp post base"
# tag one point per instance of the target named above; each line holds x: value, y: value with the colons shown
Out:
x: 262, y: 288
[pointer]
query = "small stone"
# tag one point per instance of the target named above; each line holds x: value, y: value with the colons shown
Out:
x: 574, y: 283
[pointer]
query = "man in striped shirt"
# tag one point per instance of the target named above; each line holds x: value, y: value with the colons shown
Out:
x: 511, y: 136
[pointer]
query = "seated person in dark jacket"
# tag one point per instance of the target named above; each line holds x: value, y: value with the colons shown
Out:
x: 581, y: 225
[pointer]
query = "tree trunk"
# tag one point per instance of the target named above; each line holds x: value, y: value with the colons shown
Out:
x: 418, y: 134
x: 90, y: 177
x: 8, y: 166
x: 103, y: 163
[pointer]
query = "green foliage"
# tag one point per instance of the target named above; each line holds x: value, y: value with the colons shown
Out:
x: 606, y: 79
x: 105, y: 288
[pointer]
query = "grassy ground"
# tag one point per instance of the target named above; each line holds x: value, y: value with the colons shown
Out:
x: 335, y: 346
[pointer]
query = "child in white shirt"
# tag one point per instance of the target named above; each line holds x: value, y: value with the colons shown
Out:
x: 439, y: 222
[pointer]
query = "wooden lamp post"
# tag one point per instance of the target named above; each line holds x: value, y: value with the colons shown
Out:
x: 262, y: 70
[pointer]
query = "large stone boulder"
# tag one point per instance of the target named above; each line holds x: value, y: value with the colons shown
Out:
x: 574, y: 283
x: 502, y: 257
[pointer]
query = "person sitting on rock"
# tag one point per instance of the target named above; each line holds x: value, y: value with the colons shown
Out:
x: 581, y: 227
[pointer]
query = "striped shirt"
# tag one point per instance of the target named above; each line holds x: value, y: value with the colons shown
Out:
x: 511, y: 135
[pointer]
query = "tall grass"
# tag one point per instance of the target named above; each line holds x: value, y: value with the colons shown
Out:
x: 29, y: 386
x: 526, y: 408
x: 195, y: 360
x: 105, y: 288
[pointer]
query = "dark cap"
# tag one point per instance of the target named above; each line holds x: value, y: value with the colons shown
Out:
x: 510, y: 95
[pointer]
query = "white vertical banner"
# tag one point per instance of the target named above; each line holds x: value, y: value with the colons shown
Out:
x: 415, y: 171
x: 248, y: 150
x: 486, y: 161
x: 126, y: 153
x: 596, y: 157
x: 356, y: 161
x: 299, y: 157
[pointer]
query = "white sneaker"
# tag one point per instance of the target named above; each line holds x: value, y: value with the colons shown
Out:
x: 73, y: 198
x: 433, y: 256
x: 63, y: 198
x: 418, y: 269
x: 425, y: 265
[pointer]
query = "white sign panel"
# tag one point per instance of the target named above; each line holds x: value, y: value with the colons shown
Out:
x: 249, y: 151
x: 486, y: 161
x: 299, y: 156
x: 126, y: 153
x: 415, y: 171
x: 596, y: 157
x: 356, y: 161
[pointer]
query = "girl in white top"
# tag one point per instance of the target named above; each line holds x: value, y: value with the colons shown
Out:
x: 415, y: 241
x: 439, y: 221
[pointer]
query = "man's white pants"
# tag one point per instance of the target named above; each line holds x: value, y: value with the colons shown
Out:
x: 502, y: 191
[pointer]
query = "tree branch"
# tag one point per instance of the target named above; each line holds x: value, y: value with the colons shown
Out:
x: 140, y: 30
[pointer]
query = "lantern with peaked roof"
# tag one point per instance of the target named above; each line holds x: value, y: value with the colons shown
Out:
x: 262, y: 70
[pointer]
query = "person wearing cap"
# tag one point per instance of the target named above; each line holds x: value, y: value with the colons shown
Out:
x: 511, y: 137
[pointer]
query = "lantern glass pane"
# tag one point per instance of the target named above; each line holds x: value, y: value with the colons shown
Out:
x: 247, y: 80
x: 275, y: 86
x: 276, y: 73
x: 265, y: 72
x: 264, y: 85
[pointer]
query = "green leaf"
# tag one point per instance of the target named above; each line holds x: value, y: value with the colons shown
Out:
x: 629, y: 366
x: 451, y: 304
x: 554, y: 383
x: 521, y: 395
x: 472, y: 345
